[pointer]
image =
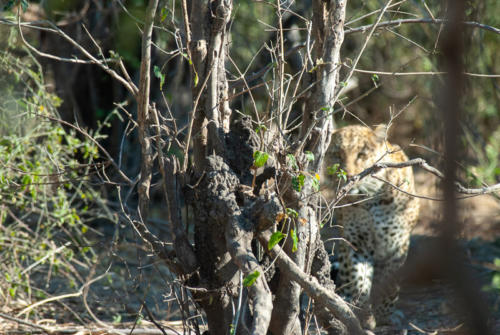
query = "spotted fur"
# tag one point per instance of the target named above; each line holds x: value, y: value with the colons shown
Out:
x: 378, y: 228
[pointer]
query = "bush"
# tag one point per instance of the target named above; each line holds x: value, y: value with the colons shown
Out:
x: 45, y: 196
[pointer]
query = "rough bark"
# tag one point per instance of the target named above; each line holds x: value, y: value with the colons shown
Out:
x: 224, y: 232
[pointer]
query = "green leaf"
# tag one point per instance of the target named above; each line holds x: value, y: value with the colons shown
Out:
x: 298, y: 182
x: 495, y: 282
x: 262, y: 128
x: 275, y: 238
x: 332, y: 169
x: 342, y: 175
x: 375, y: 78
x: 24, y: 5
x: 260, y: 158
x: 292, y: 212
x: 309, y: 156
x: 292, y: 161
x: 195, y: 77
x: 26, y: 179
x: 251, y: 278
x: 117, y: 318
x: 9, y: 5
x: 12, y: 291
x: 295, y: 239
x: 315, y: 184
x: 159, y: 75
x: 157, y: 71
x: 163, y: 14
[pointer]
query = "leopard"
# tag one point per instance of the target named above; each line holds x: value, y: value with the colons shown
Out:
x: 376, y: 218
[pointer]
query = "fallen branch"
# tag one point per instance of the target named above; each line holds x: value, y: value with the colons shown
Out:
x: 64, y: 296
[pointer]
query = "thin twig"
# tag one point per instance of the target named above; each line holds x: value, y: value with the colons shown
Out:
x: 360, y: 53
x: 93, y: 140
x: 49, y: 254
x: 92, y: 59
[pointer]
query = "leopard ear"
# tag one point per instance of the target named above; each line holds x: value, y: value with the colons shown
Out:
x: 381, y: 132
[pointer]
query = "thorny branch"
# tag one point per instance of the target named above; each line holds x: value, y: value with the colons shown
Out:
x: 129, y: 85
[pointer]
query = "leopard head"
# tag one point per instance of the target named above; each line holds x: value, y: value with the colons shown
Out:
x: 352, y: 150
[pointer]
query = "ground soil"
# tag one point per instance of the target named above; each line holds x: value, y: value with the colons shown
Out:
x: 430, y: 303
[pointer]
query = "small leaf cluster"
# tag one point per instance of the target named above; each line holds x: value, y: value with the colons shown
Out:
x: 260, y: 158
x: 299, y: 178
x: 335, y: 170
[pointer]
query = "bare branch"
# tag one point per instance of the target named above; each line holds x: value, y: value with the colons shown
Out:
x: 192, y: 117
x: 158, y: 246
x: 421, y: 73
x: 328, y: 28
x: 168, y: 169
x: 360, y: 53
x: 143, y: 117
x: 392, y: 23
x: 217, y: 84
x: 413, y: 162
x: 92, y: 59
x: 84, y: 330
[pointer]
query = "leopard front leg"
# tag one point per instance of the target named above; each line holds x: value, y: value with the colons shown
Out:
x: 385, y: 291
x: 356, y: 261
x: 355, y: 283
